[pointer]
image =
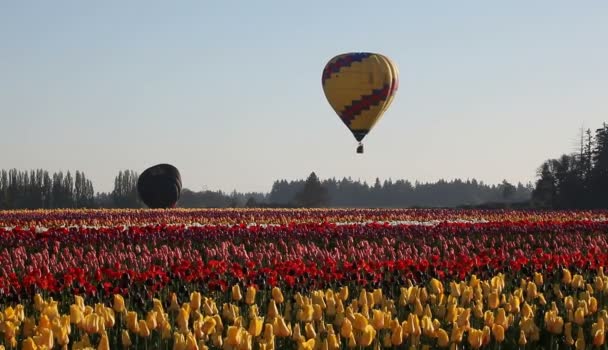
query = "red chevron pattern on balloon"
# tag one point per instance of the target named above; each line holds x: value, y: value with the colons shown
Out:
x: 349, y: 113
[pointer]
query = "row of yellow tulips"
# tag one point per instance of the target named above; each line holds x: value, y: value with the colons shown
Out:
x: 472, y: 314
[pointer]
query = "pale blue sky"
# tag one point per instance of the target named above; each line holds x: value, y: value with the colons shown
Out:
x: 230, y: 91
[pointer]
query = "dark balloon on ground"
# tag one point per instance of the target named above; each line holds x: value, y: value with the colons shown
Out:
x: 160, y: 186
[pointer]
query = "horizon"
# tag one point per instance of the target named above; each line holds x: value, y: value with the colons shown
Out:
x: 231, y: 94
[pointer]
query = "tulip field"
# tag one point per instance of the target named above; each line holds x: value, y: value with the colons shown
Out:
x: 303, y: 279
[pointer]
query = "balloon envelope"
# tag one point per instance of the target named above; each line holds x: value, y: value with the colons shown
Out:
x: 360, y: 86
x: 160, y: 186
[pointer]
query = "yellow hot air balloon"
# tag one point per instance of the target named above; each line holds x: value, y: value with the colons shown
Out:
x: 360, y: 86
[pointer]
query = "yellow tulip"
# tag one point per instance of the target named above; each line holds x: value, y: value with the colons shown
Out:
x: 119, y: 303
x: 343, y: 294
x: 165, y: 332
x: 39, y: 302
x: 277, y: 295
x: 250, y: 295
x: 463, y: 319
x: 307, y: 345
x: 179, y: 341
x: 174, y: 306
x: 598, y: 337
x: 45, y: 338
x: 76, y: 315
x: 578, y: 281
x: 29, y: 326
x: 29, y: 344
x: 282, y: 329
x: 236, y: 293
x: 527, y: 311
x: 443, y: 340
x: 144, y: 331
x: 104, y: 343
x: 151, y: 320
x: 580, y: 340
x: 360, y: 322
x: 268, y: 333
x: 347, y: 328
x: 515, y: 303
x: 132, y: 323
x: 499, y: 333
x: 436, y: 286
x: 378, y: 319
x: 428, y: 329
x: 486, y: 336
x: 351, y: 341
x: 366, y: 339
x: 538, y: 279
x: 501, y: 318
x: 310, y: 331
x: 297, y: 334
x: 332, y: 342
x: 493, y: 300
x: 217, y: 339
x: 125, y: 338
x: 457, y: 334
x: 377, y: 296
x: 396, y: 335
x: 592, y: 305
x: 522, y: 338
x: 579, y: 316
x: 488, y: 318
x: 306, y: 313
x: 317, y: 313
x: 195, y: 301
x: 541, y: 299
x: 566, y: 276
x: 208, y: 325
x: 475, y: 338
x: 233, y: 336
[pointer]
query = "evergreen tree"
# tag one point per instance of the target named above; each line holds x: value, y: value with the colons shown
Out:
x: 313, y: 194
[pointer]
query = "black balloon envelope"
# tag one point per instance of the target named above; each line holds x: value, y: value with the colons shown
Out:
x: 160, y: 186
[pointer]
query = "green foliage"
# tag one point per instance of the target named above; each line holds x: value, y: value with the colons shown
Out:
x: 578, y: 180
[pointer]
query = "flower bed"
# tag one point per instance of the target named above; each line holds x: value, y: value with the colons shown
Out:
x: 517, y: 280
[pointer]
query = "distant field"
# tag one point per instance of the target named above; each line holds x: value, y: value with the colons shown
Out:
x: 302, y: 279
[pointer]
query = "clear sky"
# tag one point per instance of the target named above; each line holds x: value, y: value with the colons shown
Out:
x: 230, y: 91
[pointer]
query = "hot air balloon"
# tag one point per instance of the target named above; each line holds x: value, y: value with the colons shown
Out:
x: 160, y: 186
x: 360, y: 86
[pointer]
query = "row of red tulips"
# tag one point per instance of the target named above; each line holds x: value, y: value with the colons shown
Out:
x: 102, y: 261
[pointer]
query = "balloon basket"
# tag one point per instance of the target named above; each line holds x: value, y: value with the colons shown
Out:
x: 360, y: 148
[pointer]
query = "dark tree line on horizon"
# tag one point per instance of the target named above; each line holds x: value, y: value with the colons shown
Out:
x: 573, y: 181
x: 402, y: 193
x: 578, y: 180
x: 40, y: 189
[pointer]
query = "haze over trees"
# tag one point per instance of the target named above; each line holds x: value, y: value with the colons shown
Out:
x: 578, y: 180
x: 40, y: 189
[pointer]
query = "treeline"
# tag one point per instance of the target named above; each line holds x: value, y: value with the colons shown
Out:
x: 578, y: 180
x: 39, y: 189
x: 402, y: 193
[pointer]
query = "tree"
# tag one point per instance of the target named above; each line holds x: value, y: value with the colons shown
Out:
x: 125, y: 194
x: 508, y: 190
x: 313, y: 194
x: 599, y: 172
x: 545, y: 191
